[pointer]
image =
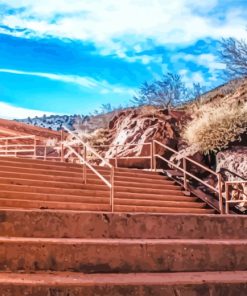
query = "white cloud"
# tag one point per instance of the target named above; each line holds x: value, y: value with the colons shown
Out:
x: 120, y: 25
x: 8, y: 111
x: 87, y: 82
x: 81, y: 81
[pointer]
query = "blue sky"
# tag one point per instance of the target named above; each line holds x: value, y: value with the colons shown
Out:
x: 71, y: 56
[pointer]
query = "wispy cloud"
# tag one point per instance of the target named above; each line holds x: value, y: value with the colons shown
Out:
x: 81, y: 81
x: 8, y: 111
x: 104, y: 22
x: 103, y: 86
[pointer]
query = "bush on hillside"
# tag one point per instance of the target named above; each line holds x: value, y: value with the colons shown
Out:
x: 215, y: 127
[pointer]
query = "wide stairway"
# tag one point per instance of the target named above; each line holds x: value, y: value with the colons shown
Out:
x: 76, y: 253
x: 36, y: 184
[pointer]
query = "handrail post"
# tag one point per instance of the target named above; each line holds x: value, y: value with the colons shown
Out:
x: 220, y: 193
x: 112, y: 189
x: 116, y: 160
x: 151, y: 156
x: 6, y: 146
x: 227, y: 198
x: 62, y: 152
x: 45, y: 152
x: 154, y: 156
x: 84, y: 165
x: 185, y: 175
x: 34, y: 146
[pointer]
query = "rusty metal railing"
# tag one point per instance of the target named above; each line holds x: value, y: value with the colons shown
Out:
x: 83, y: 159
x: 186, y: 173
x: 17, y: 146
x: 118, y: 151
x: 231, y: 198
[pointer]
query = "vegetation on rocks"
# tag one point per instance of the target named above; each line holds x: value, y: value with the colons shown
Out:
x: 213, y: 128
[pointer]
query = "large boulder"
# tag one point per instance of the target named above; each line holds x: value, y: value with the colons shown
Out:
x: 139, y: 126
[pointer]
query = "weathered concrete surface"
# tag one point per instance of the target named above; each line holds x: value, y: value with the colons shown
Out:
x: 73, y: 224
x: 66, y: 284
x: 121, y: 255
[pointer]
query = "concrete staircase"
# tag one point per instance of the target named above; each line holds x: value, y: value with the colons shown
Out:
x: 36, y: 184
x: 75, y: 253
x: 58, y: 236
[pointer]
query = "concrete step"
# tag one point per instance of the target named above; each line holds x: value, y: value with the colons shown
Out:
x: 76, y: 224
x: 158, y: 203
x: 121, y: 255
x: 44, y: 204
x: 55, y: 165
x: 156, y: 209
x: 91, y: 190
x: 228, y: 283
x: 97, y: 185
x: 68, y: 173
x: 91, y: 178
x: 57, y: 191
x: 59, y: 196
x: 89, y: 203
x: 54, y: 197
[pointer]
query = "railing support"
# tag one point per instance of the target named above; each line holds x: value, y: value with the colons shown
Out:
x: 84, y: 165
x: 35, y: 148
x: 6, y: 148
x: 154, y: 156
x: 112, y: 181
x: 185, y: 175
x: 151, y: 156
x: 220, y: 193
x: 227, y: 198
x: 116, y: 160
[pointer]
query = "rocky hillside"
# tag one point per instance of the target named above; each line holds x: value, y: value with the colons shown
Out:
x: 53, y: 122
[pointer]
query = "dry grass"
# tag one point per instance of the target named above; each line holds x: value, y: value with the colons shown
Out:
x: 214, y: 127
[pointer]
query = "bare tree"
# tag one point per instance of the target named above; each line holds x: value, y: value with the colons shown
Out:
x: 234, y: 54
x: 167, y: 92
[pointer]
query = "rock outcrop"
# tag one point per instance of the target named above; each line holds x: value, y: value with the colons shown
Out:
x: 141, y: 126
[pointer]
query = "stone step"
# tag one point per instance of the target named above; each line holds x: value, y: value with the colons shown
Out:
x: 76, y: 224
x: 156, y: 209
x: 56, y: 197
x: 121, y: 255
x: 60, y: 205
x: 158, y: 203
x: 97, y: 204
x: 228, y: 283
x: 91, y: 178
x: 12, y: 171
x: 93, y: 182
x: 91, y: 191
x: 105, y: 198
x: 64, y: 166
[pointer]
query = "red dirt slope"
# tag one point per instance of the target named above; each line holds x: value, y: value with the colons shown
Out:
x: 13, y: 128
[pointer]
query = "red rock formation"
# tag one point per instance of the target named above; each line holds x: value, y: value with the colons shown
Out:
x: 138, y: 126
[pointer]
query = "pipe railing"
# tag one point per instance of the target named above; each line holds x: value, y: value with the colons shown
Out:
x: 118, y: 157
x: 9, y: 147
x: 229, y: 198
x: 83, y: 159
x: 34, y: 150
x: 186, y: 173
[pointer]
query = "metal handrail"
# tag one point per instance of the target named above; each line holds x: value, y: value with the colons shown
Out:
x: 227, y: 197
x: 17, y: 137
x: 187, y: 173
x: 84, y: 161
x: 89, y: 148
x: 117, y: 157
x: 13, y: 149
